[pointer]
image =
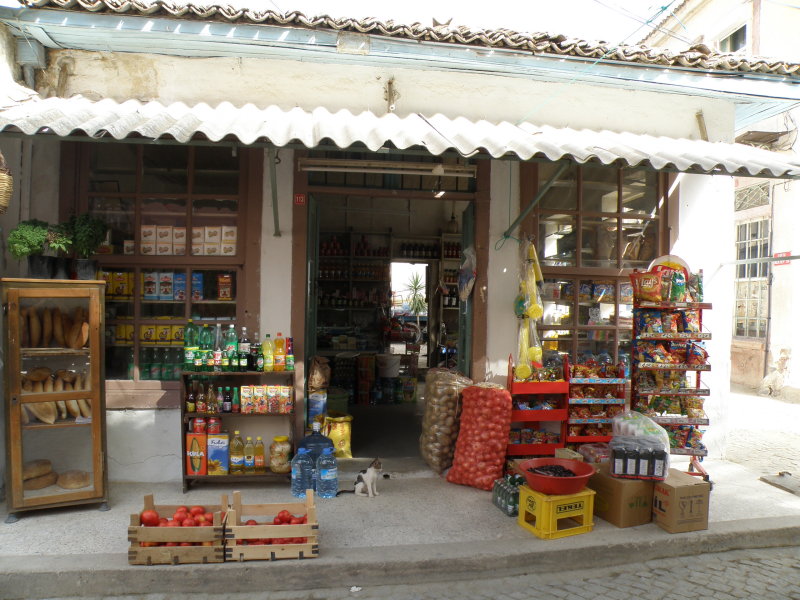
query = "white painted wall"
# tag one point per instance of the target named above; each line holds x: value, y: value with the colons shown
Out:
x: 288, y: 84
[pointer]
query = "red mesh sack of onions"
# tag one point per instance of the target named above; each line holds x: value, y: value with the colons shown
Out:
x: 481, y: 445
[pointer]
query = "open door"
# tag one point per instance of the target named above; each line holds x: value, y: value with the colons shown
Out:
x: 312, y: 252
x: 465, y: 308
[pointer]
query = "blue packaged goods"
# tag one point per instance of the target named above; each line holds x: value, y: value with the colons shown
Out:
x: 179, y: 286
x: 197, y: 286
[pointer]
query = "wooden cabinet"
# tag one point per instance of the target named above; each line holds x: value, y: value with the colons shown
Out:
x: 266, y: 420
x: 54, y: 393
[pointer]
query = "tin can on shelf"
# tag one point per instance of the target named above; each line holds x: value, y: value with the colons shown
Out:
x: 214, y: 425
x: 199, y: 425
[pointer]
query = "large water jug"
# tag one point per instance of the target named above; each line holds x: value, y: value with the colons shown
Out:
x: 327, y: 474
x: 315, y: 443
x: 302, y: 467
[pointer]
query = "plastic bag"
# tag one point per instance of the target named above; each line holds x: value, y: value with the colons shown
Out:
x: 635, y: 424
x: 319, y: 375
x: 481, y: 446
x: 338, y: 427
x: 466, y: 274
x: 440, y: 421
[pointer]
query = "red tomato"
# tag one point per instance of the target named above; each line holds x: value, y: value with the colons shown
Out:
x: 149, y: 518
x: 206, y: 524
x: 171, y: 544
x: 163, y: 521
x: 296, y: 521
x: 179, y: 516
x: 197, y: 510
x: 182, y: 509
x: 187, y: 544
x: 173, y: 523
x: 189, y: 522
x: 277, y: 521
x: 285, y: 516
x: 209, y: 517
x: 252, y: 522
x: 305, y: 518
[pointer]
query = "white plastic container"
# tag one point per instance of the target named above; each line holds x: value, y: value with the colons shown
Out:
x: 388, y: 365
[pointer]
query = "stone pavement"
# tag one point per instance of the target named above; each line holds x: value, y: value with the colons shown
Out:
x: 768, y: 574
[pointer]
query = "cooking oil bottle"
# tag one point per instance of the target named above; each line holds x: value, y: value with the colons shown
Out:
x: 259, y: 457
x: 237, y: 454
x: 249, y: 457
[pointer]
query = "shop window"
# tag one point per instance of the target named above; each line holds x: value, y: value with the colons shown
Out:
x: 751, y: 196
x: 177, y: 225
x: 735, y: 41
x: 752, y: 279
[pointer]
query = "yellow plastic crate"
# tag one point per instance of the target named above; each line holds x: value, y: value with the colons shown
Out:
x: 553, y: 517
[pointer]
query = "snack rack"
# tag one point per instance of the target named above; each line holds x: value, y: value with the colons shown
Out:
x: 579, y: 400
x: 558, y: 414
x: 639, y: 395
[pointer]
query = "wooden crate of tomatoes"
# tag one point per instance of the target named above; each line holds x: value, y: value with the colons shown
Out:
x: 271, y: 531
x: 175, y: 534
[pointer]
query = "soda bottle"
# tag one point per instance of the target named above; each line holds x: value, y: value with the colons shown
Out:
x: 191, y: 399
x: 129, y: 371
x: 289, y: 354
x: 206, y: 342
x: 280, y: 353
x: 227, y: 400
x: 200, y: 402
x: 315, y: 443
x: 231, y: 349
x: 244, y: 350
x: 236, y: 405
x: 260, y: 457
x: 327, y: 474
x: 267, y: 351
x: 236, y: 454
x: 249, y: 456
x: 255, y: 354
x: 219, y: 400
x: 144, y: 363
x: 302, y: 468
x: 218, y: 348
x: 177, y: 364
x: 191, y: 344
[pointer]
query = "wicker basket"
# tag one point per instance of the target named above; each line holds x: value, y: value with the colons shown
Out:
x: 6, y: 185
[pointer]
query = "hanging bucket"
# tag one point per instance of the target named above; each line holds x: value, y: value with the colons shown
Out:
x: 6, y: 185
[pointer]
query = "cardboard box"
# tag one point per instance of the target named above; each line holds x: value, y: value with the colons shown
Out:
x: 196, y: 461
x: 212, y: 234
x: 129, y: 247
x: 568, y: 454
x: 165, y: 291
x: 178, y: 249
x: 197, y: 248
x: 164, y: 249
x: 163, y: 234
x: 163, y: 334
x: 179, y: 287
x: 680, y: 502
x: 179, y: 235
x: 211, y: 249
x: 228, y: 249
x: 176, y: 335
x: 621, y: 502
x: 150, y: 285
x: 197, y: 286
x: 147, y: 335
x: 217, y: 445
x: 148, y: 233
x: 148, y: 248
x: 121, y: 285
x: 229, y: 233
x: 198, y: 235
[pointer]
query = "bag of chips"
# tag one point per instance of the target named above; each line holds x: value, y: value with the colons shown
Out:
x: 646, y: 286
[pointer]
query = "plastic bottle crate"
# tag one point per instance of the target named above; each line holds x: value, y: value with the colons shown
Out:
x: 553, y: 517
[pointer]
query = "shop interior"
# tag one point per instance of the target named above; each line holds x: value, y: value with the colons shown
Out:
x: 387, y: 309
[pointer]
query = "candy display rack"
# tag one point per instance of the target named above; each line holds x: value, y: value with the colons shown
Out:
x: 640, y: 395
x: 577, y: 399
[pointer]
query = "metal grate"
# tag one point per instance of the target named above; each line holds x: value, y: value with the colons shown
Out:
x: 751, y: 196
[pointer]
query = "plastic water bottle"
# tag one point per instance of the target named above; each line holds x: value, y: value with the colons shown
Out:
x: 327, y: 474
x: 301, y: 473
x: 315, y: 443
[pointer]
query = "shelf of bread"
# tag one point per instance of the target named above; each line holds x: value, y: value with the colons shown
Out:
x: 77, y: 422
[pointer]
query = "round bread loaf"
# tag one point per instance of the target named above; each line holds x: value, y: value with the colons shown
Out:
x: 38, y: 483
x: 73, y: 480
x: 36, y: 468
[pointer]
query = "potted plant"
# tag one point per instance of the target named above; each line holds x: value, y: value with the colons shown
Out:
x: 59, y: 240
x: 29, y: 239
x: 88, y: 233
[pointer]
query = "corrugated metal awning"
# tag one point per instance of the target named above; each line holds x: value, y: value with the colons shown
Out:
x: 249, y: 124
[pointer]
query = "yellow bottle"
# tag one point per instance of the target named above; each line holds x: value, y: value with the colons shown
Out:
x: 268, y: 351
x: 236, y: 455
x: 280, y: 353
x: 249, y: 457
x: 260, y: 458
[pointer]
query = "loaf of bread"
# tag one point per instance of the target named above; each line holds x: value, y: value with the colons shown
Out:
x: 62, y: 409
x: 58, y: 328
x: 72, y: 407
x: 38, y: 374
x: 35, y: 327
x: 86, y: 409
x: 46, y: 412
x: 36, y: 468
x: 73, y: 480
x: 67, y: 376
x: 38, y: 483
x: 47, y: 327
x: 24, y: 331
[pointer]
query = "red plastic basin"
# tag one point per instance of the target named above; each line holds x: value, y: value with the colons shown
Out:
x: 557, y: 486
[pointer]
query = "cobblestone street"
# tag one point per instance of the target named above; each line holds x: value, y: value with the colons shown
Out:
x: 768, y: 574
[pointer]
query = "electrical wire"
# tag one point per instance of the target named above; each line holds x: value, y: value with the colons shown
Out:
x: 631, y: 15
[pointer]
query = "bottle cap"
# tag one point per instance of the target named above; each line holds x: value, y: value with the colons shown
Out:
x: 258, y: 437
x: 281, y: 438
x: 235, y: 432
x: 249, y: 439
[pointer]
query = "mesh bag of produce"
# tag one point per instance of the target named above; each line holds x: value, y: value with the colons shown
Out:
x: 481, y: 445
x: 440, y: 421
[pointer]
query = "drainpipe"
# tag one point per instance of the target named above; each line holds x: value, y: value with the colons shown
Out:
x: 273, y: 180
x: 770, y: 276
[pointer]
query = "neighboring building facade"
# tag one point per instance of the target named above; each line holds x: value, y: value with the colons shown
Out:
x: 516, y: 105
x: 764, y: 327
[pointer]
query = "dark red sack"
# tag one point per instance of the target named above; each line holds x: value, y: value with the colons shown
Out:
x: 481, y: 445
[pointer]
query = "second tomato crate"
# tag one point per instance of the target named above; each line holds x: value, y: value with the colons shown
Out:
x: 271, y: 531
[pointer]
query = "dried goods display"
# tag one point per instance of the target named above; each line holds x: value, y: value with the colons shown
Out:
x: 596, y: 396
x: 440, y: 422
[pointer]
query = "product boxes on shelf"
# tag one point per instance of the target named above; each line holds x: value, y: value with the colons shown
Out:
x: 147, y: 334
x: 228, y: 249
x: 217, y: 445
x: 179, y: 235
x: 163, y: 234
x: 178, y: 249
x: 129, y: 247
x: 197, y: 286
x: 179, y: 287
x: 165, y: 291
x: 212, y: 234
x: 164, y: 248
x: 148, y: 248
x: 229, y: 233
x: 680, y: 502
x: 148, y: 234
x: 150, y: 285
x: 198, y: 235
x: 621, y: 502
x: 211, y: 249
x: 163, y: 334
x: 270, y: 541
x: 176, y: 335
x: 197, y: 248
x: 196, y: 460
x: 176, y: 545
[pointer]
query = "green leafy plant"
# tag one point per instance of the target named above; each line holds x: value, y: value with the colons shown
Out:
x: 417, y: 302
x: 28, y: 238
x: 88, y: 233
x: 59, y: 238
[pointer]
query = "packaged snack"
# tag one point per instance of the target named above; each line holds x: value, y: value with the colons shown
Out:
x: 515, y: 436
x: 694, y: 438
x: 603, y: 292
x: 613, y: 410
x: 575, y: 430
x: 625, y: 293
x: 646, y: 286
x: 648, y: 321
x: 527, y: 436
x: 690, y: 321
x: 594, y: 452
x: 678, y: 289
x: 678, y: 352
x: 666, y: 283
x: 696, y: 354
x: 694, y: 287
x: 585, y: 292
x: 670, y: 322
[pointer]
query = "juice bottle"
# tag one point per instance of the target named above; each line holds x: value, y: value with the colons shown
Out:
x: 236, y: 405
x: 236, y: 455
x: 289, y: 354
x: 268, y: 351
x: 249, y: 456
x: 260, y: 458
x: 280, y: 353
